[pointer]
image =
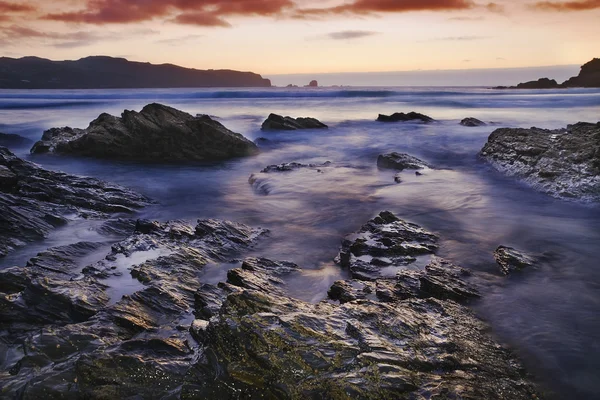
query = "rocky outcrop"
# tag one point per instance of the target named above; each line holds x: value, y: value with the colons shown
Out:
x: 510, y: 260
x: 564, y: 163
x: 68, y: 334
x: 589, y: 76
x: 402, y: 117
x: 277, y: 122
x: 390, y: 338
x: 12, y: 140
x: 313, y: 83
x: 34, y: 201
x: 156, y: 134
x: 472, y: 122
x: 542, y: 83
x: 400, y: 162
x: 261, y: 182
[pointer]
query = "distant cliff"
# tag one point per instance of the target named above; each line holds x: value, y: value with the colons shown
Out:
x: 589, y: 77
x: 114, y: 73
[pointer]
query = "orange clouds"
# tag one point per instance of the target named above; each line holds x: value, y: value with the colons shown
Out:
x: 568, y: 5
x: 6, y: 7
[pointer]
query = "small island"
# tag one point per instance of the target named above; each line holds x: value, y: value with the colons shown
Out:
x: 589, y: 77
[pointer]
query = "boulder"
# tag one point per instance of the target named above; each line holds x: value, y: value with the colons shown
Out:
x: 510, y: 260
x: 12, y: 140
x: 277, y: 122
x: 471, y: 122
x: 564, y: 163
x: 402, y: 117
x: 400, y: 162
x: 156, y: 134
x: 34, y: 201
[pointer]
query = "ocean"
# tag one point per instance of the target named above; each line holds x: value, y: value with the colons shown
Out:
x: 547, y: 314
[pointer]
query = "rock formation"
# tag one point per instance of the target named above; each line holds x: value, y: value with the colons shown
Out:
x: 472, y: 122
x: 542, y: 83
x: 402, y: 117
x: 260, y: 182
x: 589, y: 76
x: 400, y: 161
x: 34, y: 201
x: 564, y: 163
x: 510, y: 260
x: 156, y: 134
x: 12, y: 140
x: 278, y: 122
x: 313, y: 83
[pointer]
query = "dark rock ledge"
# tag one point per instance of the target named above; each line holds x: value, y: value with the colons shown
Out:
x: 278, y: 122
x: 175, y: 337
x: 34, y: 201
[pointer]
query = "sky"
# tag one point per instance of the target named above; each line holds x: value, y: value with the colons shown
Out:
x: 307, y: 36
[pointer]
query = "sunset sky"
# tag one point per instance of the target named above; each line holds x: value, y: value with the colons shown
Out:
x: 287, y: 36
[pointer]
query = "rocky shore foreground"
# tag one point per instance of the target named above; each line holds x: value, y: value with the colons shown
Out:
x: 407, y: 334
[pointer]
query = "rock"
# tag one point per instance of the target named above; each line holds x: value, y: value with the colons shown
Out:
x: 385, y: 243
x: 313, y: 83
x: 277, y: 122
x: 589, y: 76
x: 400, y: 162
x: 156, y: 134
x: 71, y: 338
x: 34, y: 201
x: 12, y: 140
x: 391, y: 338
x: 542, y: 83
x: 564, y: 163
x: 470, y: 122
x: 402, y: 117
x: 510, y: 260
x: 261, y: 182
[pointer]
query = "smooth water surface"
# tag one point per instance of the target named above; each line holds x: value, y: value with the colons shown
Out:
x: 548, y: 314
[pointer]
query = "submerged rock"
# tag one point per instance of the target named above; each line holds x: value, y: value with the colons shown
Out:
x: 402, y: 117
x: 471, y: 122
x: 260, y: 181
x: 278, y: 122
x: 383, y: 242
x: 11, y: 140
x: 564, y: 163
x: 400, y: 161
x: 71, y: 336
x: 156, y: 134
x: 510, y: 260
x: 34, y: 201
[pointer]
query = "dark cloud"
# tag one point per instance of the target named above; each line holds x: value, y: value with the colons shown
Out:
x: 191, y: 12
x: 387, y: 6
x: 6, y: 7
x: 343, y: 35
x: 19, y: 34
x: 568, y: 5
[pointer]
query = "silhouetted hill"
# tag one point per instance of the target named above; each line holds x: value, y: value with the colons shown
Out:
x: 589, y: 77
x: 114, y: 73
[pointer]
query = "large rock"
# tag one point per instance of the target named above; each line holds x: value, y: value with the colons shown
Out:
x: 383, y: 245
x: 542, y: 83
x: 278, y: 122
x: 402, y: 117
x: 69, y: 334
x: 156, y: 134
x: 34, y: 201
x: 564, y: 163
x: 12, y: 140
x: 391, y: 338
x: 589, y: 76
x: 510, y: 260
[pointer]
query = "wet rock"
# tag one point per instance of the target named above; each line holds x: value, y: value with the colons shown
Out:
x: 278, y: 122
x: 564, y: 163
x: 404, y: 117
x: 510, y: 260
x: 371, y: 345
x: 70, y: 335
x: 261, y: 182
x: 400, y: 161
x: 385, y: 241
x: 156, y: 134
x: 471, y: 122
x: 12, y: 140
x: 34, y: 201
